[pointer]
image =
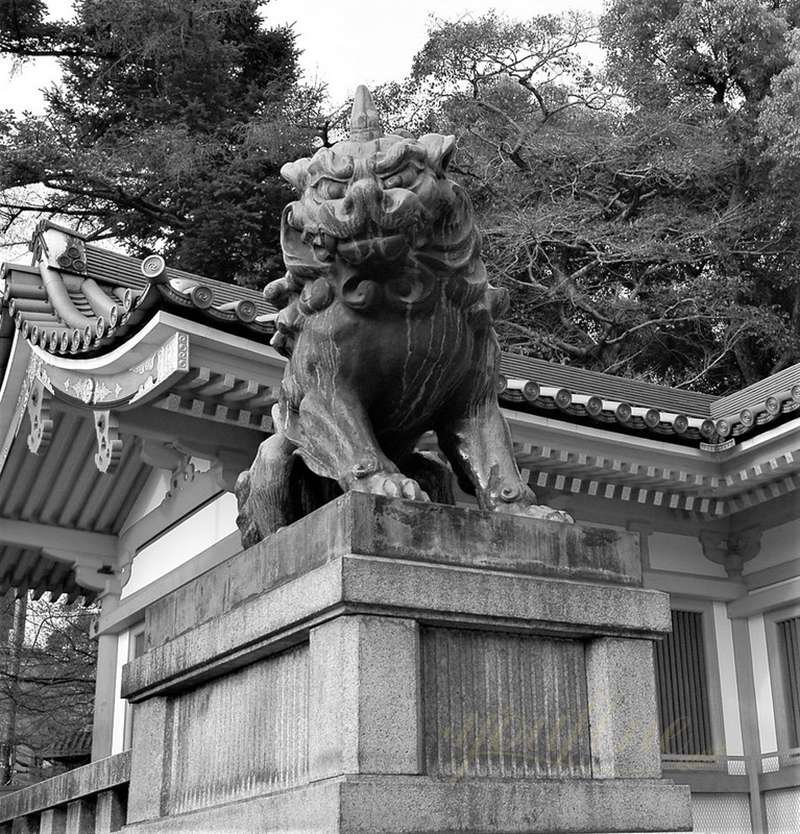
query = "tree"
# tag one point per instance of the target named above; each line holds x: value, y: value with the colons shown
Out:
x: 47, y: 672
x: 723, y: 61
x: 167, y: 130
x: 629, y: 211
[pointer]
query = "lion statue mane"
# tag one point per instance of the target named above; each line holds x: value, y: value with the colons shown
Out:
x: 386, y: 317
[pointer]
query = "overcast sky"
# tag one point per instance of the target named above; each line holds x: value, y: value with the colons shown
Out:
x: 344, y: 42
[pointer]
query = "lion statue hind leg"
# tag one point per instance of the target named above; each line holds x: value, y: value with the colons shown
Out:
x: 277, y: 490
x: 263, y: 492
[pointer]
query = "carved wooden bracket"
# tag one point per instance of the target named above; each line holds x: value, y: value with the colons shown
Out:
x: 182, y: 475
x: 731, y: 550
x: 161, y: 455
x: 109, y: 443
x: 172, y: 457
x: 105, y: 579
x: 40, y: 416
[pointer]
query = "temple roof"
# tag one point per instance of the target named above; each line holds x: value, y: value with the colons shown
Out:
x: 82, y: 300
x: 628, y: 405
x: 74, y: 745
x: 112, y: 367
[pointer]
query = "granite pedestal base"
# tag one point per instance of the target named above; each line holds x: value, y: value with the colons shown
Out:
x: 388, y: 666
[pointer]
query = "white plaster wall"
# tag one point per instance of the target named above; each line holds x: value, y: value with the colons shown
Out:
x: 150, y: 497
x: 731, y: 719
x: 155, y: 490
x: 763, y: 686
x: 778, y: 544
x: 182, y: 542
x: 120, y: 705
x: 683, y: 554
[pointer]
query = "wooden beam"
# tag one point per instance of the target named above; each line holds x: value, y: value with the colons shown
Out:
x: 759, y: 601
x: 694, y: 585
x: 58, y: 540
x: 201, y: 437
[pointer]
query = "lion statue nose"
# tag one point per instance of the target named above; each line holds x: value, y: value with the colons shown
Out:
x: 364, y: 198
x: 347, y: 217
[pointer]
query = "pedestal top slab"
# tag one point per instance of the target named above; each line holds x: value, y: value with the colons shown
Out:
x: 361, y: 524
x: 362, y: 554
x: 471, y: 537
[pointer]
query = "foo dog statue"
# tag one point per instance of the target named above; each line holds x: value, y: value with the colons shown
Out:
x: 386, y: 318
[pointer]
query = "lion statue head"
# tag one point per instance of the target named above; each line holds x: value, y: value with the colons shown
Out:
x: 378, y: 225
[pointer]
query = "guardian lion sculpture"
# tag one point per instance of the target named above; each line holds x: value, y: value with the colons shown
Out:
x: 387, y: 321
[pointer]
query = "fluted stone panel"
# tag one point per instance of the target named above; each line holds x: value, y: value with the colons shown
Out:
x: 241, y: 735
x: 504, y: 705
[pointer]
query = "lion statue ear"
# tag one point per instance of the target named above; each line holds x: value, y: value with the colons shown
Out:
x: 439, y: 149
x: 295, y: 173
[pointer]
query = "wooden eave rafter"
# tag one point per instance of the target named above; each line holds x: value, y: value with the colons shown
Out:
x: 59, y: 541
x: 160, y: 397
x: 92, y: 556
x: 213, y: 377
x: 173, y: 365
x: 579, y: 460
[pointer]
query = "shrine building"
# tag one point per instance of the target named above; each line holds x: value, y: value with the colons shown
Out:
x: 132, y: 395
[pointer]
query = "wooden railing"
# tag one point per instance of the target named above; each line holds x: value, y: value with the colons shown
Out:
x: 92, y: 798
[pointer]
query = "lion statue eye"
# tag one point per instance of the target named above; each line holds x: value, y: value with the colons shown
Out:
x: 401, y: 179
x: 331, y: 189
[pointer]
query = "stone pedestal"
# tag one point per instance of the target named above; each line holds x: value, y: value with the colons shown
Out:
x: 387, y: 666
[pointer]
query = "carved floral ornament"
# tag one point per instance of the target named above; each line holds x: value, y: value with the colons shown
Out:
x: 731, y: 550
x: 123, y: 389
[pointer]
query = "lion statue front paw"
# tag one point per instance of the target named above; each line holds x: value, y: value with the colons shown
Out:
x: 392, y: 485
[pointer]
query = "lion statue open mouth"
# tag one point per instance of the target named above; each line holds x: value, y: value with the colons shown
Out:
x: 386, y: 318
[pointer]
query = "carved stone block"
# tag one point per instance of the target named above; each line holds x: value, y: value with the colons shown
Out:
x: 446, y: 687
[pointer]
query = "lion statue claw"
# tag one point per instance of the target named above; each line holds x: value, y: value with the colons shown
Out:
x: 386, y: 316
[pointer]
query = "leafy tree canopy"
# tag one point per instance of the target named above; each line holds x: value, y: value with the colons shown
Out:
x: 641, y: 213
x: 47, y: 672
x: 167, y: 130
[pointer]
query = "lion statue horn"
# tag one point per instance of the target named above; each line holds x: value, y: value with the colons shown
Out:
x: 364, y: 121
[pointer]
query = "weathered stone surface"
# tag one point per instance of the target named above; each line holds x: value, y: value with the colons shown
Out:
x: 622, y: 708
x: 110, y: 812
x: 53, y: 821
x: 378, y: 805
x: 421, y: 805
x: 449, y: 685
x: 310, y: 808
x: 80, y: 816
x: 367, y: 524
x: 149, y: 760
x: 363, y: 707
x: 82, y: 781
x: 504, y: 705
x: 359, y: 583
x: 240, y: 735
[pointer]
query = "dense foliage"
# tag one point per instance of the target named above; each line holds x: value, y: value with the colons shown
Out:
x: 644, y: 214
x: 636, y: 179
x: 167, y: 130
x: 47, y: 671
